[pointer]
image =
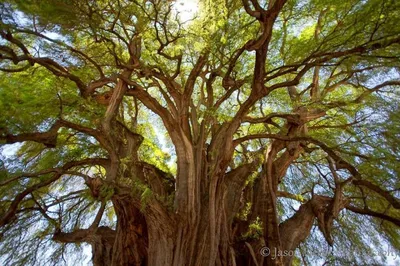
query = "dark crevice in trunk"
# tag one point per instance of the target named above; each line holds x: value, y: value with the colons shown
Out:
x: 102, y: 246
x: 131, y: 241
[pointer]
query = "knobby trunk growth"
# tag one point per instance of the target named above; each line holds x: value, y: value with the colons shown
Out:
x: 268, y: 111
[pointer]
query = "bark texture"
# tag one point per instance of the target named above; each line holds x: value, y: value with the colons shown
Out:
x: 221, y: 207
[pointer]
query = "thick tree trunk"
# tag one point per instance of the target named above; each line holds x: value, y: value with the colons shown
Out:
x: 102, y: 246
x: 131, y: 240
x: 204, y: 231
x: 158, y: 239
x: 178, y: 242
x: 153, y: 236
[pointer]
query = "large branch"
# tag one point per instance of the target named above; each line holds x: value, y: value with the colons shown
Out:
x: 27, y: 175
x: 63, y: 44
x: 194, y: 73
x: 363, y: 95
x: 391, y: 199
x: 235, y: 180
x: 115, y: 101
x: 141, y: 94
x: 266, y: 18
x: 337, y: 158
x: 85, y: 235
x: 46, y: 62
x: 49, y: 138
x: 315, y: 59
x: 318, y: 59
x: 368, y: 212
x: 254, y: 13
x: 9, y: 216
x: 58, y: 172
x: 297, y: 228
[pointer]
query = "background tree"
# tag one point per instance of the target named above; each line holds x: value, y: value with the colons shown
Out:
x: 163, y: 142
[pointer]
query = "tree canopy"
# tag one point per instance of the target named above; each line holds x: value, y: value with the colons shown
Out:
x: 160, y: 140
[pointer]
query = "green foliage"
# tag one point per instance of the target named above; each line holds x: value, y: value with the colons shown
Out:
x: 244, y: 212
x: 255, y: 230
x: 95, y: 42
x: 106, y: 192
x: 33, y: 106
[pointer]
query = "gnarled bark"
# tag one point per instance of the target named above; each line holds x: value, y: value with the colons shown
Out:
x: 131, y: 240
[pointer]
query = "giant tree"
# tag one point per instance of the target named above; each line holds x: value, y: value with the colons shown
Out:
x: 158, y: 141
